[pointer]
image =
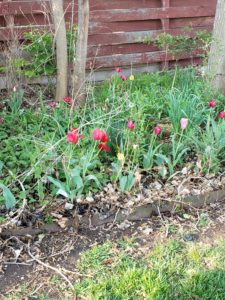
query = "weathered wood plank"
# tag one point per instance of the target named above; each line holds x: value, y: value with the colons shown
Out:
x: 136, y: 37
x: 105, y: 5
x: 112, y: 15
x: 108, y: 38
x: 137, y: 59
x: 192, y: 22
x: 152, y: 13
x: 129, y: 26
x: 94, y: 51
x: 31, y: 6
x: 176, y: 3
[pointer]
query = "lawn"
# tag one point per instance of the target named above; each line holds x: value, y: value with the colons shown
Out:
x: 174, y: 270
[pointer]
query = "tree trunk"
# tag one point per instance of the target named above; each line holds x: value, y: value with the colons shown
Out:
x: 81, y: 53
x: 216, y: 64
x: 61, y: 49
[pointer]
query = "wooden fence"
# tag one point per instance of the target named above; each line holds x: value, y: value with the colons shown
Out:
x: 117, y: 28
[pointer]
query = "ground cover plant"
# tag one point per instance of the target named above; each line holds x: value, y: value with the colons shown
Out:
x: 130, y: 127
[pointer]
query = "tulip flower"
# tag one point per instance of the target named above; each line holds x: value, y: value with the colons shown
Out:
x: 184, y: 123
x: 123, y: 78
x: 73, y: 136
x: 97, y: 134
x: 130, y: 125
x: 105, y: 137
x: 119, y: 70
x: 131, y: 77
x: 68, y: 100
x: 100, y: 135
x: 157, y: 130
x: 221, y: 115
x: 103, y: 147
x: 212, y: 103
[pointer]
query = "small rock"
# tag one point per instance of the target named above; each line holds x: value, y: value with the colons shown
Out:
x: 190, y: 237
x: 79, y: 200
x: 63, y: 223
x: 170, y: 190
x: 174, y: 182
x: 110, y: 188
x: 184, y: 171
x: 130, y: 203
x: 147, y: 231
x: 196, y: 192
x: 56, y: 215
x: 157, y: 185
x: 69, y: 206
x: 90, y: 199
x: 184, y: 191
x: 124, y: 225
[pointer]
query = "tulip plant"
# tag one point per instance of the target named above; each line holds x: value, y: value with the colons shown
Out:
x: 131, y: 125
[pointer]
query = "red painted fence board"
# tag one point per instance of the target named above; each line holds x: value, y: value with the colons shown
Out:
x: 117, y: 27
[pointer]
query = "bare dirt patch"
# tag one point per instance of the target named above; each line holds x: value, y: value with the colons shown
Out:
x: 61, y: 250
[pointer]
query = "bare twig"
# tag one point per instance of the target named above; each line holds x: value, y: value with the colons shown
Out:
x: 49, y: 267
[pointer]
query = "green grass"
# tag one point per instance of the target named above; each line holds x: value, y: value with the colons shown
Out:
x: 175, y: 270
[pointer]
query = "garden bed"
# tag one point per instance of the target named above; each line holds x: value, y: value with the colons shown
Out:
x: 140, y: 146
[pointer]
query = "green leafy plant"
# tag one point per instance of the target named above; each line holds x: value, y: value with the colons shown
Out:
x: 16, y: 100
x: 77, y: 179
x: 127, y: 182
x: 10, y: 200
x: 39, y: 50
x: 210, y: 145
x: 150, y: 154
x: 176, y: 44
x: 177, y: 152
x: 182, y: 104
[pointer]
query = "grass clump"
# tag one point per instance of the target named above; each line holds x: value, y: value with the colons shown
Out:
x: 174, y: 270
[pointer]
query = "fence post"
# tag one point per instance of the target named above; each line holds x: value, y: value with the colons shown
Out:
x: 13, y: 47
x: 165, y: 26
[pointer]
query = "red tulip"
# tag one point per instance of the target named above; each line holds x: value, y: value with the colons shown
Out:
x: 73, y: 136
x: 212, y: 103
x: 157, y: 130
x: 97, y: 134
x: 104, y: 137
x: 119, y: 70
x: 123, y: 78
x: 221, y: 115
x: 103, y: 147
x: 68, y: 100
x: 130, y: 125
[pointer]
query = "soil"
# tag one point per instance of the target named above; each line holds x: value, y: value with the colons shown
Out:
x: 62, y: 250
